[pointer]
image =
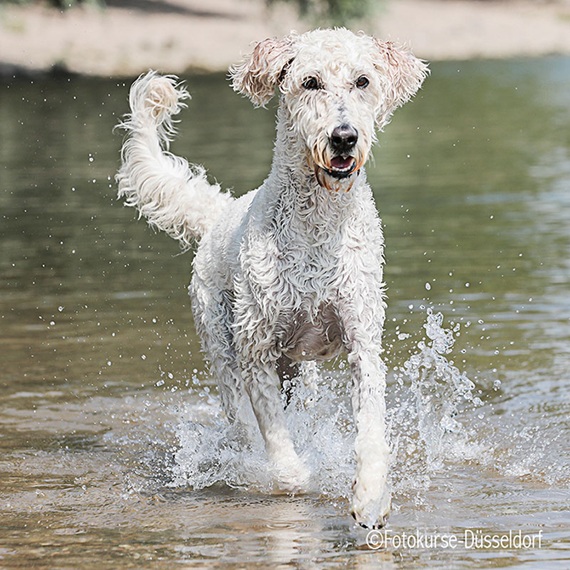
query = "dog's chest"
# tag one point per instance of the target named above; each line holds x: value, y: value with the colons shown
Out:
x: 304, y: 336
x: 308, y: 323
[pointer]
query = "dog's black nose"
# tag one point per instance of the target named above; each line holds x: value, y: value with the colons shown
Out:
x: 343, y: 138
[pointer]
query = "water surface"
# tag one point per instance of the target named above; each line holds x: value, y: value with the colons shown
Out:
x: 114, y: 449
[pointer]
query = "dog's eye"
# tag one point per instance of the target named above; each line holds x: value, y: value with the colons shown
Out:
x: 311, y: 83
x: 362, y: 82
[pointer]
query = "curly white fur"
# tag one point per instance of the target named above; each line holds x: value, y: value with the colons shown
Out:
x: 292, y: 271
x: 174, y: 196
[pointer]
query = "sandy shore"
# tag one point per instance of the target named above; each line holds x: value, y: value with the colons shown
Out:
x: 130, y: 36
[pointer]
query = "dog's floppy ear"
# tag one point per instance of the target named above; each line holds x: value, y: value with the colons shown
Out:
x: 259, y: 73
x: 404, y: 74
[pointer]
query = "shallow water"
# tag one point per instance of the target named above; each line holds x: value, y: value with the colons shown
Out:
x: 114, y: 450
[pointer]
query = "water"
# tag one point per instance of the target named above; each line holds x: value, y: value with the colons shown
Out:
x: 114, y: 450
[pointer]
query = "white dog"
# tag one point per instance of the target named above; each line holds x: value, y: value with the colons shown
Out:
x: 292, y: 271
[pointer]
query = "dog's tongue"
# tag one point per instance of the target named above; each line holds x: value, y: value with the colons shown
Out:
x: 340, y: 163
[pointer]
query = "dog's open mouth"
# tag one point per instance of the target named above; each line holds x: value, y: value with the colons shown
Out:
x: 337, y: 173
x: 341, y: 167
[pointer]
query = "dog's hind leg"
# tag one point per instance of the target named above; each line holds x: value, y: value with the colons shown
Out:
x: 234, y: 398
x: 288, y: 372
x: 295, y: 374
x: 213, y: 317
x: 264, y: 387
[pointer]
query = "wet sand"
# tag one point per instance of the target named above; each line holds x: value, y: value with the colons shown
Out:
x: 130, y: 36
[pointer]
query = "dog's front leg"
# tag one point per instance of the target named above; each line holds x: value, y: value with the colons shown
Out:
x: 263, y: 386
x: 371, y: 495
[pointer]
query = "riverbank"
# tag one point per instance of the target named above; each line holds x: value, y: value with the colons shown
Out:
x: 129, y: 36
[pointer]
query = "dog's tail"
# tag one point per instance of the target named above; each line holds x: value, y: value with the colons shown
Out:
x: 172, y: 194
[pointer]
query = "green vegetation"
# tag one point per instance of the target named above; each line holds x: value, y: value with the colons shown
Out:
x: 61, y: 4
x: 336, y: 12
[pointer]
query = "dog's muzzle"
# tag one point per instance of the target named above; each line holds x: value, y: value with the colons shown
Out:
x: 342, y: 141
x: 343, y: 164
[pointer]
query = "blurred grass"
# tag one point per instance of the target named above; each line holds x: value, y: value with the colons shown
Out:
x: 60, y: 4
x: 329, y: 12
x: 334, y: 12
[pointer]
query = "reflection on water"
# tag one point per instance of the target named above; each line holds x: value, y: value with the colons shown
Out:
x: 114, y: 450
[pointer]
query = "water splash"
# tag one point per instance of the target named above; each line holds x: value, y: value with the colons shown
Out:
x: 426, y: 404
x: 432, y: 416
x: 319, y: 418
x: 436, y: 392
x: 211, y: 451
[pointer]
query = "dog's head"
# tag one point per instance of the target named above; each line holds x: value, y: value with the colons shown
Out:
x: 337, y: 88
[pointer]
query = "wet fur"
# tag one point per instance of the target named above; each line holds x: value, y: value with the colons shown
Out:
x: 290, y: 272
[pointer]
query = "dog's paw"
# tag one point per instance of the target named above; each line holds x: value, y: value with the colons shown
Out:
x: 369, y: 510
x: 291, y: 476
